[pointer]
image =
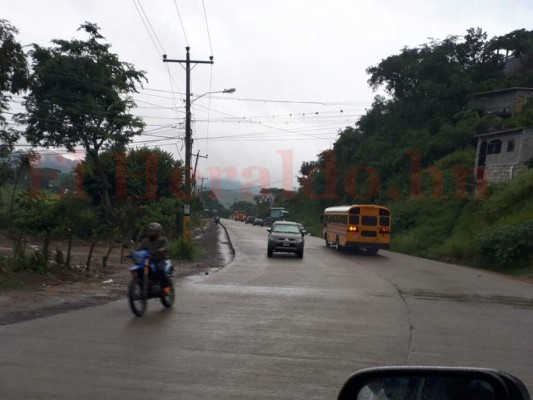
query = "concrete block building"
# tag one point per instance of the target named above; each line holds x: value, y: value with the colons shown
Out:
x: 503, y: 154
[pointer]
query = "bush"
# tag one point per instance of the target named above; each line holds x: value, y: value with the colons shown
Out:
x: 35, y: 262
x: 506, y: 246
x: 77, y: 214
x: 168, y: 212
x: 181, y: 249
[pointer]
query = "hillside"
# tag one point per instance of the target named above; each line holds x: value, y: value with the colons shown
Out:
x: 57, y: 161
x: 415, y: 150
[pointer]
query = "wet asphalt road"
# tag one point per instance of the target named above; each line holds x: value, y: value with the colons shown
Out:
x: 279, y: 328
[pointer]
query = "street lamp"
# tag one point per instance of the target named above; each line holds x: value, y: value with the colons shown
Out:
x: 188, y: 136
x: 188, y: 151
x: 229, y: 91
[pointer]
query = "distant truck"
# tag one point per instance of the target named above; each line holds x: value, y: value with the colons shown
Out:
x: 239, y: 216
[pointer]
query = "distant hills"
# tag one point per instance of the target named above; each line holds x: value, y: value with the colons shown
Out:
x: 229, y: 191
x: 57, y: 161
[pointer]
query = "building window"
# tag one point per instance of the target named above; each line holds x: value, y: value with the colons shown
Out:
x: 495, y: 147
x: 510, y: 146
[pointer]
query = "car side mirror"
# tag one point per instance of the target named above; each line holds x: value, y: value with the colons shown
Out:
x: 269, y: 230
x: 406, y: 383
x: 304, y: 232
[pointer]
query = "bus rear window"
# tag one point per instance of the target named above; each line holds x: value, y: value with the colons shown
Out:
x: 354, y: 219
x: 369, y: 220
x: 384, y: 212
x: 384, y: 221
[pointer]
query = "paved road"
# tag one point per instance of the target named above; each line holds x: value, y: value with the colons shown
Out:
x: 279, y: 328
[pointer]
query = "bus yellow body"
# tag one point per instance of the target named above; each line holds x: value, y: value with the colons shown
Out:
x: 361, y: 225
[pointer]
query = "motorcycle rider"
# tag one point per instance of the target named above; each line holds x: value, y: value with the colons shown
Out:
x: 157, y: 246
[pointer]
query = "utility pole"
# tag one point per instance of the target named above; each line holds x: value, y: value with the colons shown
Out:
x: 202, y: 185
x: 188, y: 137
x: 196, y: 166
x: 188, y: 132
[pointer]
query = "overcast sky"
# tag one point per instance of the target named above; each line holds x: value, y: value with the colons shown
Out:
x: 298, y: 66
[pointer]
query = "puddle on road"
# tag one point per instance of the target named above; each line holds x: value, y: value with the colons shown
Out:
x: 517, y: 302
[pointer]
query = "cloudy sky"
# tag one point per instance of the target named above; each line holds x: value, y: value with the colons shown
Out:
x: 298, y: 66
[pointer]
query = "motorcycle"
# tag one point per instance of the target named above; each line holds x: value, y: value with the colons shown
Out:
x: 143, y: 285
x: 217, y: 220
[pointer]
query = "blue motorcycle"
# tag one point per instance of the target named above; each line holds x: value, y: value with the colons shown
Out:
x: 143, y: 285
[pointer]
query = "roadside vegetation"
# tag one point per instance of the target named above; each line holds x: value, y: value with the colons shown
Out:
x: 78, y: 96
x: 414, y: 150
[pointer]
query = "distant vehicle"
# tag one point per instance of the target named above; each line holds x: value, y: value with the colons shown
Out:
x: 250, y: 220
x: 239, y: 216
x: 258, y: 221
x: 285, y: 236
x: 302, y: 229
x: 364, y: 226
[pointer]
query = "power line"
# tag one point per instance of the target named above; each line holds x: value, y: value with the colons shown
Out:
x: 155, y: 45
x: 181, y: 22
x: 324, y: 103
x: 207, y: 27
x: 147, y: 29
x: 151, y: 27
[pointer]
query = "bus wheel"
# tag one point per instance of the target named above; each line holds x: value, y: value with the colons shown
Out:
x: 328, y: 244
x: 372, y: 251
x: 338, y: 246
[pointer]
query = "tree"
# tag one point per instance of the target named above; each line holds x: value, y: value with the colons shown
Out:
x: 210, y: 201
x: 13, y: 80
x: 80, y: 95
x: 139, y: 174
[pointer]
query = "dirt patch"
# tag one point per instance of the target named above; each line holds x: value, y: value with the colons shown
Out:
x: 25, y: 296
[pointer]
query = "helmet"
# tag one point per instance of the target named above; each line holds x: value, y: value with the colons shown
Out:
x: 154, y: 229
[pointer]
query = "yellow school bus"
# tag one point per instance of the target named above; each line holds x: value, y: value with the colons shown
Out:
x: 365, y: 226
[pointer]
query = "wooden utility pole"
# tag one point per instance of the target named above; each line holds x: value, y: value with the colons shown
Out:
x: 188, y: 136
x: 188, y: 131
x: 196, y: 166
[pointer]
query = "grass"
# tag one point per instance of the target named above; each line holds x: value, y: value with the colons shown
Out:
x: 471, y: 232
x: 180, y: 249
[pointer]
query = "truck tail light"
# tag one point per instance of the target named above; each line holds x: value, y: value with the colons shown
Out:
x: 384, y: 230
x: 353, y: 229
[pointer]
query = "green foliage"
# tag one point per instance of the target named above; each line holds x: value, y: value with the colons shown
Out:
x: 506, y: 245
x: 210, y: 201
x: 303, y: 210
x: 36, y: 262
x: 421, y: 226
x: 492, y: 233
x: 142, y: 174
x: 76, y: 216
x: 433, y: 80
x: 524, y: 119
x: 168, y: 212
x: 13, y: 70
x: 181, y: 249
x: 513, y: 197
x: 80, y: 96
